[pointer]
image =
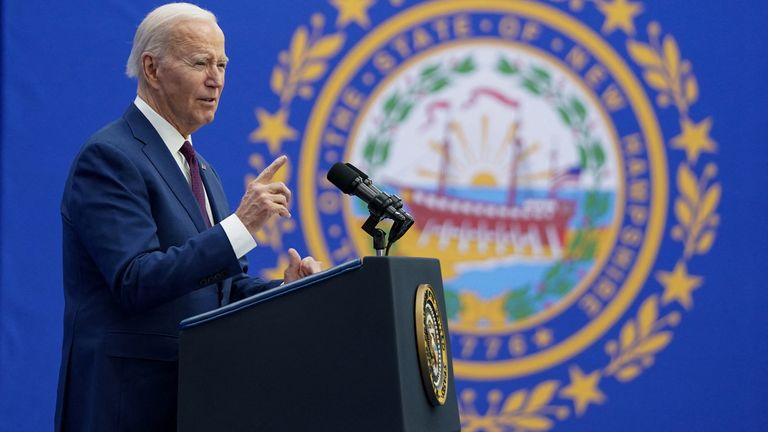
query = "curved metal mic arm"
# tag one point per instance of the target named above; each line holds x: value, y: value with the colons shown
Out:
x: 401, y: 225
x: 378, y: 211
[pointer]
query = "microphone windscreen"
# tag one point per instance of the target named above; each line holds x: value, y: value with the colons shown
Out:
x: 362, y: 175
x: 343, y: 177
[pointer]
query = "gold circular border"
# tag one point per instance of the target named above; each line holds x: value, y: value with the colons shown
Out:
x: 638, y: 101
x: 362, y: 241
x: 423, y: 294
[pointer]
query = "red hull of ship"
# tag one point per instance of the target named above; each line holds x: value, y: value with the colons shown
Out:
x: 538, y: 216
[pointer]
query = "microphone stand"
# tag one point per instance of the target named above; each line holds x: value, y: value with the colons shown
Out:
x: 379, y: 242
x: 377, y: 213
x: 378, y: 234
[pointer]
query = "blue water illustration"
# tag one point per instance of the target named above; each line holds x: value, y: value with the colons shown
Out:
x: 491, y: 282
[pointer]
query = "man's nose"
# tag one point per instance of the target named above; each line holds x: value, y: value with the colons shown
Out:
x: 215, y: 77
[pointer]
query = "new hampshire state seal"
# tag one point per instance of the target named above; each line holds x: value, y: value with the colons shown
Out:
x: 547, y: 150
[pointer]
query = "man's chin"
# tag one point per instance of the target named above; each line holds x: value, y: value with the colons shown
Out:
x: 207, y: 118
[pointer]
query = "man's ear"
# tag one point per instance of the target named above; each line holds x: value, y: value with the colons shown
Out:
x: 149, y: 67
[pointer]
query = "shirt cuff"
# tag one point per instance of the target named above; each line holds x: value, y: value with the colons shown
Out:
x: 241, y: 240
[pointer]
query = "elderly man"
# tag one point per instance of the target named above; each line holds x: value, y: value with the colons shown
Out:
x: 148, y: 236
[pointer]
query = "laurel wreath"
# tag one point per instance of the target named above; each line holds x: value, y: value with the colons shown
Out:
x: 640, y: 339
x: 523, y: 409
x: 398, y: 106
x: 695, y: 208
x: 305, y: 62
x: 665, y: 71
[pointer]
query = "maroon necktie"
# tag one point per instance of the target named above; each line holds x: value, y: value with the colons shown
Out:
x: 197, y: 182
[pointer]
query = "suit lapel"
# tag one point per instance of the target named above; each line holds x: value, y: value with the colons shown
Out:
x: 219, y: 210
x: 158, y: 154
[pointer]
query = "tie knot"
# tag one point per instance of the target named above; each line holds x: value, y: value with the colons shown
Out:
x: 189, y: 152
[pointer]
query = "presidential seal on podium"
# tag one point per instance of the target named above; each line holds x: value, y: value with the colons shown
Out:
x: 430, y: 338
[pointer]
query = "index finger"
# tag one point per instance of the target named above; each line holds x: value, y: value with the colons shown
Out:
x: 269, y: 172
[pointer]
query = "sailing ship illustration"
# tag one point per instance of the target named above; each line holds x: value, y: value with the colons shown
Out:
x: 531, y: 227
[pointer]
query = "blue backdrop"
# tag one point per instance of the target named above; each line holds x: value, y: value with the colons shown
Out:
x: 63, y: 77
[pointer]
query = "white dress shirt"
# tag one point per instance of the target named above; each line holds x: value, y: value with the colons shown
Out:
x: 241, y: 240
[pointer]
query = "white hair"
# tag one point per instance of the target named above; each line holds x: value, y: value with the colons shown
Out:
x: 154, y: 32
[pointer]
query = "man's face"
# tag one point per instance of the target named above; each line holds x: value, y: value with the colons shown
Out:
x: 190, y: 76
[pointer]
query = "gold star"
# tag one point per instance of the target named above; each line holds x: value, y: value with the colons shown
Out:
x: 273, y: 130
x: 476, y: 310
x: 694, y: 139
x: 619, y: 14
x: 353, y: 10
x: 542, y: 337
x: 583, y: 389
x: 678, y: 285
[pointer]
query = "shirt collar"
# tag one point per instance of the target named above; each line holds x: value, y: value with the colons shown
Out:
x: 170, y: 136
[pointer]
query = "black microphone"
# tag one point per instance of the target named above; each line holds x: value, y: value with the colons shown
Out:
x: 352, y: 181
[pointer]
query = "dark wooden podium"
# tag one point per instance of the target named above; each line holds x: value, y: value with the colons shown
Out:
x: 336, y: 351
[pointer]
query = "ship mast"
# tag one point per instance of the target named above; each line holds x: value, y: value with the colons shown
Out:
x: 445, y: 162
x: 516, y: 147
x: 552, y: 170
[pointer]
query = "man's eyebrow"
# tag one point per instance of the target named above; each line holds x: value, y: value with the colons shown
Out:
x: 208, y: 57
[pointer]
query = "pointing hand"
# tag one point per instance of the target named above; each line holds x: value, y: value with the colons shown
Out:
x: 264, y: 198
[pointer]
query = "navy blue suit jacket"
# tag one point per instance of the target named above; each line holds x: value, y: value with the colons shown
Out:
x: 137, y: 260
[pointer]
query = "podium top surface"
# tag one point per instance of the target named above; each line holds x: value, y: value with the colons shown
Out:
x: 270, y: 294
